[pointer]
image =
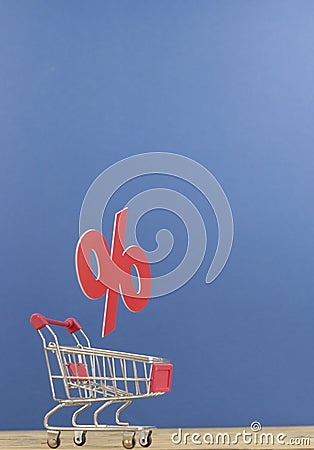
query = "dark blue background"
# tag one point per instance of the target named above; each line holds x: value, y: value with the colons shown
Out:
x: 84, y: 84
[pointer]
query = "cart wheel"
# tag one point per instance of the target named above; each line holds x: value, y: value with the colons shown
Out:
x: 79, y: 438
x: 54, y: 442
x: 145, y: 439
x: 128, y: 441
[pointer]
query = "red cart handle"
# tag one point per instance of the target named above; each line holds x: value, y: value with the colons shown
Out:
x: 39, y: 321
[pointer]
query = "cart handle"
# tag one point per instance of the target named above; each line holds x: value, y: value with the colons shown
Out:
x: 39, y: 321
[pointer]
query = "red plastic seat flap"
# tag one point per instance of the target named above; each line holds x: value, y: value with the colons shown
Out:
x: 161, y: 377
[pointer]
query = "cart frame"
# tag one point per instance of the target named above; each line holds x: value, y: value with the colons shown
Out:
x: 81, y: 375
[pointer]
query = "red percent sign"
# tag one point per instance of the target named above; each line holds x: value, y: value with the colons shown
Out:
x: 114, y: 271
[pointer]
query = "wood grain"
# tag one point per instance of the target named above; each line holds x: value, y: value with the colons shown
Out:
x: 162, y: 439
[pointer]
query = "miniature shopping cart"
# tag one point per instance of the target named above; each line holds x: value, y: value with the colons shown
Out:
x: 81, y: 375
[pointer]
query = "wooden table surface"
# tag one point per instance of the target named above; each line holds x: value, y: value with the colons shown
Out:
x: 295, y: 437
